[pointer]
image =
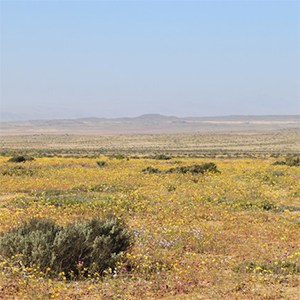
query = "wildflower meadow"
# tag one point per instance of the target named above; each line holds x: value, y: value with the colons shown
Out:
x: 231, y: 231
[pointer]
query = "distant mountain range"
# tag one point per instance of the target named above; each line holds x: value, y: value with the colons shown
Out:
x: 149, y: 123
x: 42, y: 114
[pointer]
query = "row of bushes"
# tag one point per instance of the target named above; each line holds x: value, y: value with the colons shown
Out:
x: 289, y: 161
x: 194, y: 169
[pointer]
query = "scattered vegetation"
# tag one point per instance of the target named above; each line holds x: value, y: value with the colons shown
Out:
x: 99, y: 187
x: 256, y: 204
x: 231, y: 235
x: 278, y: 267
x: 17, y: 171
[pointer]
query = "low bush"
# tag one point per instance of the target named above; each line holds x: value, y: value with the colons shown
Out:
x: 162, y: 157
x: 20, y: 159
x: 255, y: 204
x: 101, y: 163
x: 289, y: 161
x: 293, y: 162
x: 195, y: 169
x: 96, y: 244
x: 17, y: 171
x: 151, y: 170
x: 279, y: 163
x: 205, y: 167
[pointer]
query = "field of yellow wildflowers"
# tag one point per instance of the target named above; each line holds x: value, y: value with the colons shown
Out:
x: 230, y: 235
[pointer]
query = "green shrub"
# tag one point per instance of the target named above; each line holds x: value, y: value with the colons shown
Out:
x: 203, y: 168
x: 20, y: 159
x: 255, y: 204
x: 18, y: 168
x: 151, y: 170
x: 162, y: 157
x: 119, y: 156
x: 264, y: 204
x: 33, y: 240
x: 289, y: 161
x: 279, y: 163
x: 96, y: 244
x: 181, y: 169
x: 293, y: 162
x: 101, y: 163
x: 17, y: 171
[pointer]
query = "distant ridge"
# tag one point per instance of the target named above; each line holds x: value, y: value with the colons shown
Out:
x: 150, y: 123
x: 154, y: 117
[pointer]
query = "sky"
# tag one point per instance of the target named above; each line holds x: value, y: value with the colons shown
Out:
x: 111, y: 59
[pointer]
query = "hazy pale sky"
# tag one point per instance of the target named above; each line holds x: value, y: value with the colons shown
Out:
x: 127, y: 58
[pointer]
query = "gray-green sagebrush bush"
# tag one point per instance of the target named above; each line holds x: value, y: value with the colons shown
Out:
x: 96, y: 244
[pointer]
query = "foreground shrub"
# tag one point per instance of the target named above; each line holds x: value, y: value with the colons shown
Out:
x: 95, y: 244
x: 20, y: 159
x: 33, y: 240
x: 99, y: 244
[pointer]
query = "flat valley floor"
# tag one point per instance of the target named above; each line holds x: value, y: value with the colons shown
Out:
x: 238, y: 143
